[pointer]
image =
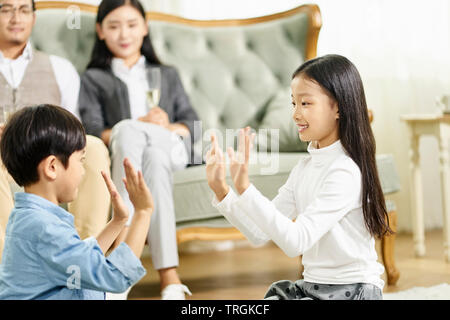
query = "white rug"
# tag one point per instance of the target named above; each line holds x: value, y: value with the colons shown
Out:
x: 438, y: 292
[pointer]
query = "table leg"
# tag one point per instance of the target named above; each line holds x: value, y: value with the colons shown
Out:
x: 445, y: 188
x: 416, y: 197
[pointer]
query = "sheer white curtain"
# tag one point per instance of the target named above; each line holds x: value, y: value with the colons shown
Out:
x: 402, y: 50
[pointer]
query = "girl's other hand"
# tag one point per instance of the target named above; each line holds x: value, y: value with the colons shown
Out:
x: 239, y: 161
x: 215, y: 170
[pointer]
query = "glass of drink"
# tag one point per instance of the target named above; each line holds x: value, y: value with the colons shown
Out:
x: 154, y: 87
x: 5, y: 113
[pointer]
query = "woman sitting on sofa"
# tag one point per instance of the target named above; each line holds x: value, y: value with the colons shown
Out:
x: 157, y: 140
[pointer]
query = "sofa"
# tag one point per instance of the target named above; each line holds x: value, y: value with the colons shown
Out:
x: 236, y: 73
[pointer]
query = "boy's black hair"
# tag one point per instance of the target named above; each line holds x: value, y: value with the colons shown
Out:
x: 36, y: 132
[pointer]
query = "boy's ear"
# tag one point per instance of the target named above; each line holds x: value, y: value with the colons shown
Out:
x: 48, y: 168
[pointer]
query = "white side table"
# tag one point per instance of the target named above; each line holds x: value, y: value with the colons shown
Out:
x: 438, y: 126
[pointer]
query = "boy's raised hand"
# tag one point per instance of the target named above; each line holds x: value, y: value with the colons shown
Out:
x: 137, y: 189
x: 120, y: 209
x: 239, y: 161
x: 215, y: 170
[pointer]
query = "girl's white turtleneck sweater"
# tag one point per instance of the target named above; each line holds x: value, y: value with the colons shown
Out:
x: 317, y: 213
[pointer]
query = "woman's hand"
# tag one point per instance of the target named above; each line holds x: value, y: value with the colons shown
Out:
x: 215, y: 170
x: 106, y: 136
x: 239, y: 161
x: 157, y: 116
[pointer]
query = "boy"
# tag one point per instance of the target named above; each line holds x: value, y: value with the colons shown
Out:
x: 43, y: 147
x: 30, y: 77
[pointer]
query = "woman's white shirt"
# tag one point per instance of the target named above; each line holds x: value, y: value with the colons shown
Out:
x: 136, y: 80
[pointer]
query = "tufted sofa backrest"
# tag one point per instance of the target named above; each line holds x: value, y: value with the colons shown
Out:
x: 231, y: 69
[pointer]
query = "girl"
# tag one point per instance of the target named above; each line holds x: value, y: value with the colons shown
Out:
x: 334, y: 195
x: 113, y: 106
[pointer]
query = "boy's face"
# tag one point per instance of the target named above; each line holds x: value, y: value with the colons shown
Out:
x: 70, y: 178
x: 16, y: 21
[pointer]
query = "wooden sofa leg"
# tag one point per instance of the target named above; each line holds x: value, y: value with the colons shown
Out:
x: 387, y: 251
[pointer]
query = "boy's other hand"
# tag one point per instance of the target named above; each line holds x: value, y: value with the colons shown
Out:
x: 138, y: 191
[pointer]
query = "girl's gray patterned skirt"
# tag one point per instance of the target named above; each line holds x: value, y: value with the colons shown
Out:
x: 302, y: 290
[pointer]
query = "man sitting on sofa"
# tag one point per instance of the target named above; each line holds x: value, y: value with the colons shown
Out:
x: 28, y: 77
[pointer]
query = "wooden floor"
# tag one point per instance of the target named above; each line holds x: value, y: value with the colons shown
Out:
x: 245, y: 273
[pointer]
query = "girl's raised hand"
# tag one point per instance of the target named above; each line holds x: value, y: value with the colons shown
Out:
x: 215, y: 170
x: 239, y: 161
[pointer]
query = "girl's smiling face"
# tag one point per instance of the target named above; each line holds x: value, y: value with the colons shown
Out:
x: 123, y: 31
x: 316, y: 113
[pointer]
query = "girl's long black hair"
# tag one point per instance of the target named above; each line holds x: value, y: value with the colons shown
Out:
x: 101, y: 56
x: 341, y: 79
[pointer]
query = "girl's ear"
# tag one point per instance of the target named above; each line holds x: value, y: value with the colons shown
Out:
x: 99, y: 30
x: 146, y: 20
x: 336, y: 107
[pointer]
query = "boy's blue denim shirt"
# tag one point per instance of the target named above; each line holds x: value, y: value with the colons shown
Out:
x: 44, y: 258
